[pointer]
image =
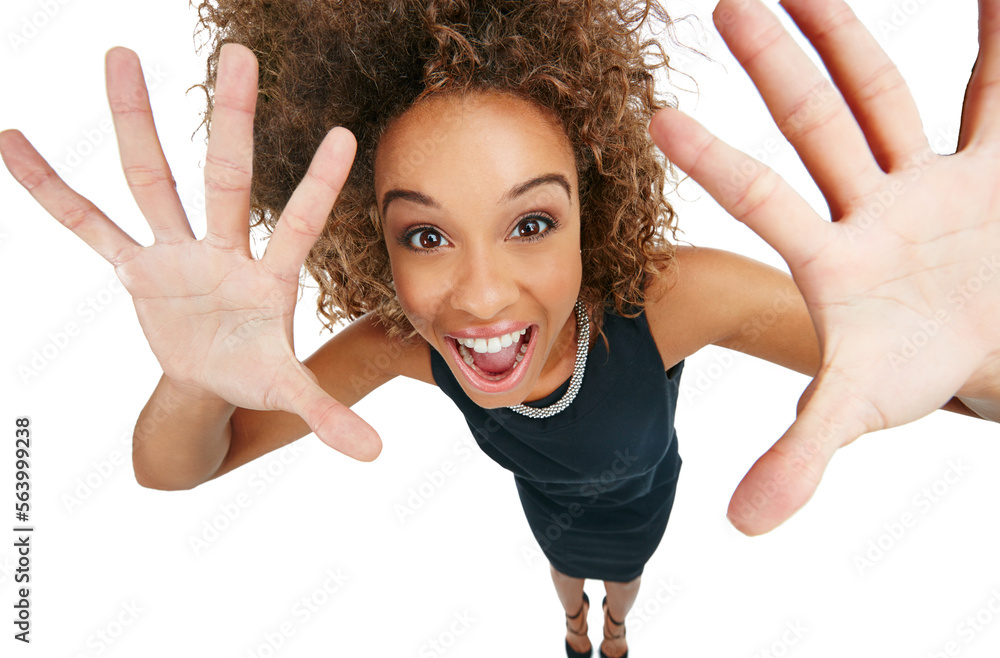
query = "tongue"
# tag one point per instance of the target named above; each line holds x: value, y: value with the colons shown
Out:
x: 497, y: 362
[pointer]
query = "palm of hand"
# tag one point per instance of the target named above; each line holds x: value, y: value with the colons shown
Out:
x: 215, y: 319
x: 907, y: 262
x: 902, y: 287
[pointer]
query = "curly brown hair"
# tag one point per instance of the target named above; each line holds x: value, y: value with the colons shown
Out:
x: 326, y: 63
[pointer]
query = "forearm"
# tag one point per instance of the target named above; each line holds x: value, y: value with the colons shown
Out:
x: 981, y: 393
x: 988, y: 409
x: 181, y: 437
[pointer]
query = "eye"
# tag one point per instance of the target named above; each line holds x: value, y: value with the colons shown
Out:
x: 423, y: 239
x: 534, y: 227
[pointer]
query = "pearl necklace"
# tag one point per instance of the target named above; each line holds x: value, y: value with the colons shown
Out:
x: 582, y: 343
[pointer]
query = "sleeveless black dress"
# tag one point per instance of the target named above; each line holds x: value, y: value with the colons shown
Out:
x: 596, y: 480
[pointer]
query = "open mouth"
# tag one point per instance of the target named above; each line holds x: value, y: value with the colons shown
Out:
x: 496, y: 364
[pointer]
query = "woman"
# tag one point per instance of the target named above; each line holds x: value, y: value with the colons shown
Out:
x: 475, y: 276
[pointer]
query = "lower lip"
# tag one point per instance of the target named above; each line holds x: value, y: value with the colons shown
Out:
x: 513, y: 378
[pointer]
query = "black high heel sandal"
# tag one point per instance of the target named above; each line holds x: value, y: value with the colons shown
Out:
x: 604, y: 606
x: 570, y: 651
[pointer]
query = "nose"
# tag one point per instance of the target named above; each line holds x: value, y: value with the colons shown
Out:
x: 485, y: 284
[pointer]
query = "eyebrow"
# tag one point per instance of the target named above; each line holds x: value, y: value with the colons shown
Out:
x: 513, y: 193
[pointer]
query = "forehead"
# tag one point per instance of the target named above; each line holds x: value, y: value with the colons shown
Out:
x: 481, y: 138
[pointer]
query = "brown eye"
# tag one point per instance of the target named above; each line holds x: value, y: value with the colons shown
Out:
x: 425, y: 239
x: 532, y: 227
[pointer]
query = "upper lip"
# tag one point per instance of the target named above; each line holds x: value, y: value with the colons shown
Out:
x: 498, y: 329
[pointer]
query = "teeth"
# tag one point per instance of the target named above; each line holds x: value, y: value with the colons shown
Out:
x: 494, y: 344
x: 487, y: 344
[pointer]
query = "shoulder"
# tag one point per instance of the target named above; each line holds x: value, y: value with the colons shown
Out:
x: 716, y: 297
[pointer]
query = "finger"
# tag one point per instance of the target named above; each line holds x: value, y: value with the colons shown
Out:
x: 306, y: 213
x: 333, y: 423
x: 869, y: 81
x: 748, y: 190
x: 71, y: 210
x: 146, y: 170
x: 229, y: 162
x: 806, y: 107
x: 982, y: 100
x: 787, y: 475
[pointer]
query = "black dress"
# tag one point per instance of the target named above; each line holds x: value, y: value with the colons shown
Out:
x: 596, y: 480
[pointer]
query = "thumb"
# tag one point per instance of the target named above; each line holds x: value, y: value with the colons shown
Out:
x: 333, y: 423
x: 783, y: 480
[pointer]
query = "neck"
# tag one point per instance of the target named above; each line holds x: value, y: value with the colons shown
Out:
x: 559, y: 364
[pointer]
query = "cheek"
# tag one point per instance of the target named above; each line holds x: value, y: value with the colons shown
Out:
x: 419, y: 297
x: 561, y: 274
x: 562, y: 284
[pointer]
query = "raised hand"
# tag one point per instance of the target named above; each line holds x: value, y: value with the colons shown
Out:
x: 216, y: 318
x: 903, y: 287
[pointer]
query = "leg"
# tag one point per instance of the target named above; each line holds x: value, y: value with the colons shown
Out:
x: 570, y: 591
x: 621, y: 596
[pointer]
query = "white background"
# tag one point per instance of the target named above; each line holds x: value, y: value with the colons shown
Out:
x: 115, y: 559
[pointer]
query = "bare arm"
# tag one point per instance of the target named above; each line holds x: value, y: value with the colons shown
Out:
x: 725, y: 299
x: 181, y: 436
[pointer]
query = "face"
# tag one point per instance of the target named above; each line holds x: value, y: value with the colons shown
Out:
x: 480, y: 210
